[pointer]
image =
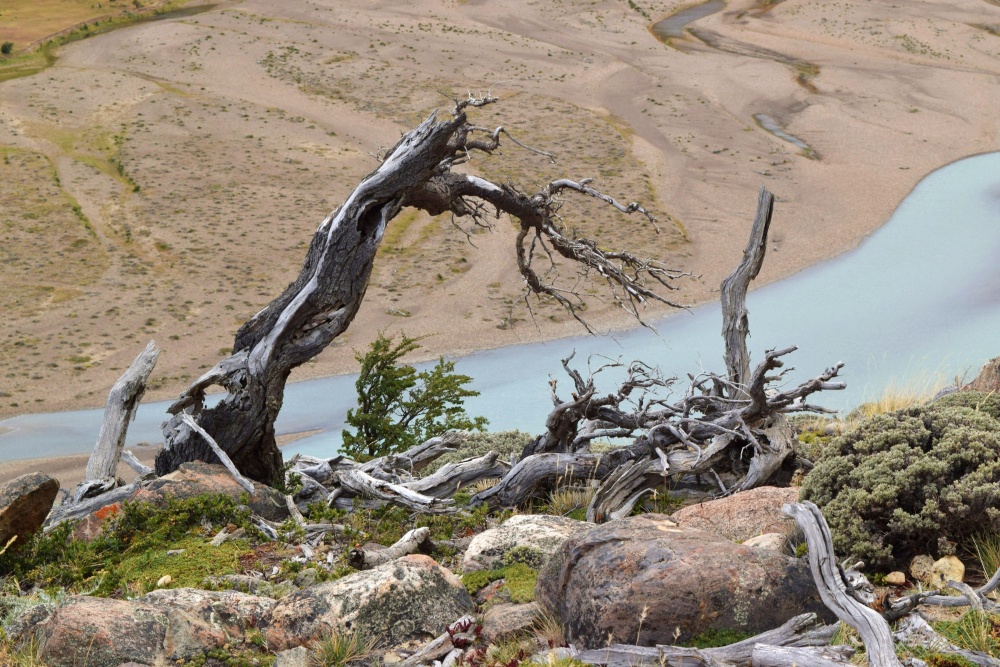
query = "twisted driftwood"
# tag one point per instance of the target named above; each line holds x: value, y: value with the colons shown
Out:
x: 322, y: 301
x: 123, y: 401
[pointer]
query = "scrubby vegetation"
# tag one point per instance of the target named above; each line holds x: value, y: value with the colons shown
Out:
x: 917, y: 480
x: 398, y: 407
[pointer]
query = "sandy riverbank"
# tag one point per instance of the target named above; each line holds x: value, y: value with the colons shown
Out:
x: 162, y: 181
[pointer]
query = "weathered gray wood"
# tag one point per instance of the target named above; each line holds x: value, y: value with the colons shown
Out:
x: 123, y: 401
x: 735, y: 320
x: 788, y: 656
x: 417, y: 458
x: 452, y: 476
x: 69, y: 511
x: 359, y: 483
x: 293, y: 510
x: 627, y: 655
x: 188, y: 421
x: 872, y: 627
x: 801, y: 631
x: 622, y: 489
x: 437, y: 647
x: 135, y: 464
x: 961, y: 600
x: 915, y: 631
x: 414, y: 541
x: 322, y: 301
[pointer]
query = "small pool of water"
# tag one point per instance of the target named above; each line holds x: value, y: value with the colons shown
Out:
x: 775, y: 128
x: 673, y: 26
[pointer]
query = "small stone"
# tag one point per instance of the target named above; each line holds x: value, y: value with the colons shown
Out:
x: 24, y: 504
x: 306, y: 577
x: 776, y: 542
x: 507, y: 620
x: 895, y: 578
x: 920, y: 567
x: 164, y: 581
x: 293, y: 657
x: 175, y: 552
x: 946, y: 569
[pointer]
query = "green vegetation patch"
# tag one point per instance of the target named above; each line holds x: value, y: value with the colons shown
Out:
x: 519, y: 580
x: 714, y: 637
x: 130, y: 555
x: 910, y: 481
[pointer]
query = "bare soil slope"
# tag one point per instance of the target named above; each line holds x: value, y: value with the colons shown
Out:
x: 162, y: 180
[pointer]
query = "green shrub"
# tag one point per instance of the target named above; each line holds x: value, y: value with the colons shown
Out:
x: 7, y: 48
x: 398, y: 407
x: 902, y: 482
x: 988, y: 403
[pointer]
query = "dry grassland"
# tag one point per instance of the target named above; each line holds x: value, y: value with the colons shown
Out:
x: 162, y: 180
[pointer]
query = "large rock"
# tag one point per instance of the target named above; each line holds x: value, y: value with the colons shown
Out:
x: 743, y: 515
x: 158, y: 628
x: 195, y: 478
x: 412, y: 597
x: 641, y: 579
x: 100, y: 632
x: 24, y: 503
x: 540, y: 532
x: 230, y: 611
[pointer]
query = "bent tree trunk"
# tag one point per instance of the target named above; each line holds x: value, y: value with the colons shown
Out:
x: 323, y: 300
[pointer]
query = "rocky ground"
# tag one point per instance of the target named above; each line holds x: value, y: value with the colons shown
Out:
x: 192, y: 570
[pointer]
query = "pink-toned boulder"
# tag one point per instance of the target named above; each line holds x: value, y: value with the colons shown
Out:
x: 643, y: 579
x: 231, y: 611
x: 410, y: 598
x: 195, y: 478
x: 159, y: 628
x: 100, y: 632
x: 743, y: 515
x: 24, y: 503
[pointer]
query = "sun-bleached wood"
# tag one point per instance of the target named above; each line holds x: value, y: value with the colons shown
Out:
x: 123, y: 401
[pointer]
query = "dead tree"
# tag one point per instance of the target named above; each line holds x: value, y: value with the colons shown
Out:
x: 704, y: 432
x: 323, y: 300
x: 123, y: 401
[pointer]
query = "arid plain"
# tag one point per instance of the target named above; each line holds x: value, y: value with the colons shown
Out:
x: 162, y: 181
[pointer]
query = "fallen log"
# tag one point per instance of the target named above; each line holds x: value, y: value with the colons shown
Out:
x: 414, y: 541
x: 453, y: 476
x: 787, y: 656
x: 69, y: 511
x: 915, y: 631
x: 441, y: 645
x: 362, y: 484
x: 123, y: 401
x: 830, y: 582
x: 618, y: 494
x: 801, y: 631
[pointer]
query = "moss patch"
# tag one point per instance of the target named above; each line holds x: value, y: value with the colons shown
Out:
x: 519, y: 580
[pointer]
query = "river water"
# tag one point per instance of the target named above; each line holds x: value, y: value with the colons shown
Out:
x: 918, y: 301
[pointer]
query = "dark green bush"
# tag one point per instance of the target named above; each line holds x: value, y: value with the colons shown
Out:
x: 988, y: 403
x: 902, y: 481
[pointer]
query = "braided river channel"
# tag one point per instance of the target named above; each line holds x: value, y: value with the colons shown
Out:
x: 917, y: 303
